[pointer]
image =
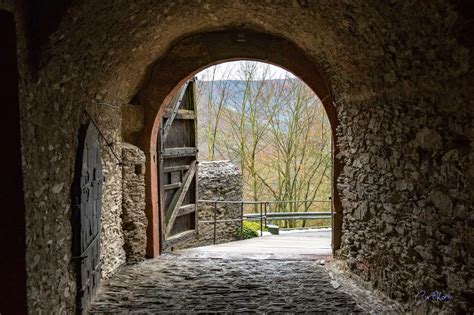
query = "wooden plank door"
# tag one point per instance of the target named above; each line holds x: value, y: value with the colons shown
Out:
x: 87, y: 195
x: 177, y: 169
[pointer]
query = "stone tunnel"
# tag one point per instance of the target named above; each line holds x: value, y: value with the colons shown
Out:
x: 395, y: 77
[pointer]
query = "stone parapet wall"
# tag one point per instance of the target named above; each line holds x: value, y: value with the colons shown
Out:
x: 218, y: 180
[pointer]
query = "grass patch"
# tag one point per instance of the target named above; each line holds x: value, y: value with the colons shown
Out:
x: 250, y: 230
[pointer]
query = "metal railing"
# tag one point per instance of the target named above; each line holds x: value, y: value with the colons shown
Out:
x: 265, y: 214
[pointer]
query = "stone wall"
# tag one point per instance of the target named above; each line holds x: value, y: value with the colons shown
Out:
x: 134, y: 221
x: 400, y: 73
x: 218, y: 180
x: 406, y: 225
x: 405, y: 187
x: 112, y: 242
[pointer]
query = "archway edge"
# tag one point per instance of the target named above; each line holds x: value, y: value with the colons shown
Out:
x: 196, y: 52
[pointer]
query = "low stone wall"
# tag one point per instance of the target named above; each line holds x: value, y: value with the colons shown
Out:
x: 218, y: 180
x: 134, y: 222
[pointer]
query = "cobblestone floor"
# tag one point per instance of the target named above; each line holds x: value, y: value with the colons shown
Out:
x: 174, y: 284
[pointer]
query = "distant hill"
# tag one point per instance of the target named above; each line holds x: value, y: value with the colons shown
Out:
x: 237, y: 87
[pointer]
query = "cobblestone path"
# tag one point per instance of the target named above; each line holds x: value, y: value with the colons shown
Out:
x: 174, y: 284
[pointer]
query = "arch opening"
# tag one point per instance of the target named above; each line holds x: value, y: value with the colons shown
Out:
x: 197, y: 52
x: 269, y: 130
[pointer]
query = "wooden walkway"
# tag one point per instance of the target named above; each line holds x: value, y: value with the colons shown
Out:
x: 309, y: 244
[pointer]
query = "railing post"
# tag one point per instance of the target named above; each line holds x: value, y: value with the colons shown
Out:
x: 241, y: 219
x: 266, y: 214
x: 261, y: 219
x: 215, y: 221
x: 330, y: 209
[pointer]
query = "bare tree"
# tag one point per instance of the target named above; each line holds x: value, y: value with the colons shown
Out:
x: 301, y: 148
x: 276, y: 130
x: 209, y: 89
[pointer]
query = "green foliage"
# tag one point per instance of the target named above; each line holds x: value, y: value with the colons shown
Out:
x: 250, y: 230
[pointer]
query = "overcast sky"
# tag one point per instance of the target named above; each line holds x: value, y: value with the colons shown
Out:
x: 230, y: 71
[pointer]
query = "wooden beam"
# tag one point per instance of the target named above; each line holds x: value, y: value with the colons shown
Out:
x: 186, y: 209
x: 175, y: 239
x: 181, y: 114
x: 174, y: 111
x: 193, y: 106
x: 172, y: 186
x: 170, y: 169
x: 178, y: 198
x: 179, y: 152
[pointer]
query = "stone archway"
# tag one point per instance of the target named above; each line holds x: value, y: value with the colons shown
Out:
x: 191, y: 54
x: 400, y: 73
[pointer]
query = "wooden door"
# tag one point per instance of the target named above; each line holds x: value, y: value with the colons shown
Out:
x: 87, y: 195
x: 177, y: 169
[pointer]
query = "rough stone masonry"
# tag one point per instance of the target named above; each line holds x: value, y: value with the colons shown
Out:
x: 218, y: 180
x: 134, y: 221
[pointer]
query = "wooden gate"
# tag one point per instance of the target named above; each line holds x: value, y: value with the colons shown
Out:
x: 87, y: 194
x: 177, y: 168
